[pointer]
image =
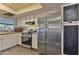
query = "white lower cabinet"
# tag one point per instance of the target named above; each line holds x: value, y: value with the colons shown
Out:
x: 7, y: 41
x: 10, y: 40
x: 34, y: 41
x: 0, y: 44
x: 13, y: 40
x: 19, y: 38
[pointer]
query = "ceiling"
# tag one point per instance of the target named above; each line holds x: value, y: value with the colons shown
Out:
x: 46, y: 8
x: 2, y: 12
x: 17, y: 6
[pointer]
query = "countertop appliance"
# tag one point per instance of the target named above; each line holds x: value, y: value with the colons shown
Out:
x: 27, y: 39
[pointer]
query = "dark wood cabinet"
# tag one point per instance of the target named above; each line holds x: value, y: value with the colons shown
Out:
x: 71, y: 40
x: 70, y: 29
x: 70, y: 13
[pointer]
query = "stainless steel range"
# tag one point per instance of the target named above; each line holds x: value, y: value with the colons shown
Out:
x: 27, y: 39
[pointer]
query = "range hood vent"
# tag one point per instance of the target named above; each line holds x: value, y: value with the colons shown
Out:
x: 8, y: 14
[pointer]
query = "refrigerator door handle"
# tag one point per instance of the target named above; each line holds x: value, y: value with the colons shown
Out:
x: 41, y: 34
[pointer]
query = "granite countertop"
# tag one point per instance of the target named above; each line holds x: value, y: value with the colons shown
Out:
x: 4, y: 33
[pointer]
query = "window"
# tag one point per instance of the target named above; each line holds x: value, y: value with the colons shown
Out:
x: 9, y: 21
x: 1, y: 24
x: 6, y: 24
x: 9, y: 27
x: 9, y: 24
x: 1, y: 27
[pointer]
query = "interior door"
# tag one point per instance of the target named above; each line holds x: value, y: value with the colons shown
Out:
x: 71, y: 40
x: 53, y: 36
x: 42, y: 36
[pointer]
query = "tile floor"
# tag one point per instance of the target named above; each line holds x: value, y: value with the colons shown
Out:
x: 18, y: 50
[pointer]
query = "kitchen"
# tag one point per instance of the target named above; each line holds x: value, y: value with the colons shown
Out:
x: 37, y: 28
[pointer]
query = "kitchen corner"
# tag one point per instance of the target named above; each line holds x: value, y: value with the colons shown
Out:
x: 11, y: 39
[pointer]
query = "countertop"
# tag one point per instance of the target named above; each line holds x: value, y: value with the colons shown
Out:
x: 4, y: 33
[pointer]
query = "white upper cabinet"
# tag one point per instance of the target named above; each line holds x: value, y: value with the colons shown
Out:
x: 18, y: 22
x: 23, y: 21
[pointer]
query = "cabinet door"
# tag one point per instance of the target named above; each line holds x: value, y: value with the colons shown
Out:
x: 70, y: 13
x: 71, y: 40
x: 18, y: 22
x: 34, y: 41
x: 19, y: 35
x: 0, y: 44
x: 10, y: 41
x: 23, y: 22
x: 14, y: 40
x: 5, y: 42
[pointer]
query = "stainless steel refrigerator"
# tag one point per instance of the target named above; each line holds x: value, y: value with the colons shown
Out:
x: 49, y: 34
